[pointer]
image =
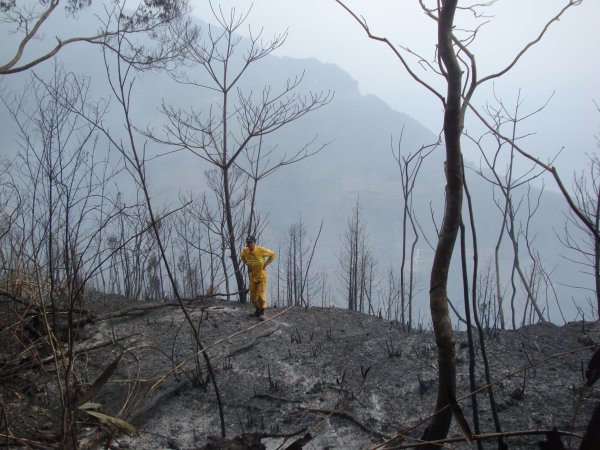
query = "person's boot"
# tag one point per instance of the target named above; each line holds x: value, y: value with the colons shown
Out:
x: 255, y: 313
x: 261, y: 313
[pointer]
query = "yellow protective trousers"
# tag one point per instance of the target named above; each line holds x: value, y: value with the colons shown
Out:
x: 258, y: 293
x: 256, y: 260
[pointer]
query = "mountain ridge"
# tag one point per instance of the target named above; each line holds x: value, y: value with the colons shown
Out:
x: 362, y: 132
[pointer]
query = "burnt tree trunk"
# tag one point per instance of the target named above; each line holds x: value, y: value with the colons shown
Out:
x: 438, y: 295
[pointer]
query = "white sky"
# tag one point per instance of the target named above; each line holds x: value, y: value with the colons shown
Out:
x: 565, y: 63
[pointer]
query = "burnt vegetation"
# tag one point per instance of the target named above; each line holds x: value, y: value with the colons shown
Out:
x: 125, y: 323
x: 137, y: 370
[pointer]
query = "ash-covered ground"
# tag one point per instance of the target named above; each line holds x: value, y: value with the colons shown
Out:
x: 336, y: 379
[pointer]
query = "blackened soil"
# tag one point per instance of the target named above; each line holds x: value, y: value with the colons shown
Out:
x: 326, y: 378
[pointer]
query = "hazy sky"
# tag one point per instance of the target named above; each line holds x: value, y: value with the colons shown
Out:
x: 565, y: 64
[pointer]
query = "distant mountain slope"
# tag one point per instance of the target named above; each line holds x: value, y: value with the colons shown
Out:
x: 357, y: 163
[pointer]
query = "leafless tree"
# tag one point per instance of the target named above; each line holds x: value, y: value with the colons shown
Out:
x: 197, y: 256
x: 239, y: 195
x: 63, y: 207
x: 586, y: 186
x: 457, y: 67
x: 390, y: 297
x: 67, y: 206
x: 409, y: 166
x: 237, y: 122
x: 130, y: 247
x: 299, y: 283
x: 539, y: 285
x: 11, y: 204
x: 121, y: 77
x: 475, y: 291
x: 486, y: 298
x: 508, y: 182
x: 295, y: 257
x: 325, y: 290
x: 356, y: 262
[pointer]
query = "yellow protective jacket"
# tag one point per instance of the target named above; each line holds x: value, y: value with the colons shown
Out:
x: 256, y: 260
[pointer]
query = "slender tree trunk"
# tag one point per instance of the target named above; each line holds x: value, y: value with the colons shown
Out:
x: 597, y: 252
x: 482, y: 344
x: 472, y: 378
x: 499, y: 294
x: 403, y: 261
x: 438, y: 295
x: 411, y: 281
x: 233, y: 254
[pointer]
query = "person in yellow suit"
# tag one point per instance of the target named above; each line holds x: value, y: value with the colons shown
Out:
x: 257, y: 259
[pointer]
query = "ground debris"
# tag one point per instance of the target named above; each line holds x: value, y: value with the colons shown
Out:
x: 345, y: 379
